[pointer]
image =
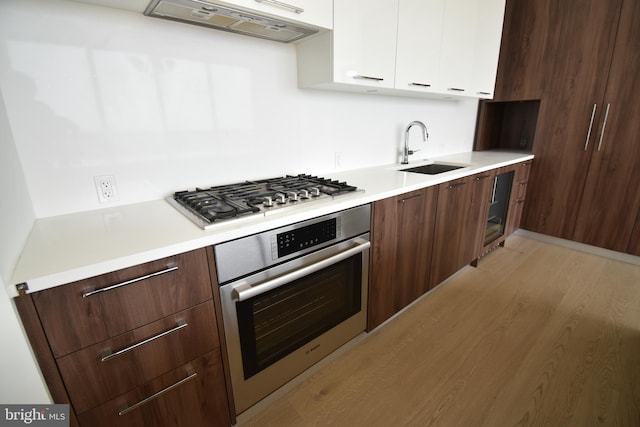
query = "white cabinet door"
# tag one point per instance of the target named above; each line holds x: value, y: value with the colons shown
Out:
x: 314, y: 12
x: 488, y: 37
x: 419, y: 44
x: 470, y: 46
x: 458, y: 44
x: 364, y: 42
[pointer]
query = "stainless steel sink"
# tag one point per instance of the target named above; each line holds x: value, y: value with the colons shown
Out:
x: 432, y: 169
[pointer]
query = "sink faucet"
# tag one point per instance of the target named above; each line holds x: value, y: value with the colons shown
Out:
x: 406, y: 152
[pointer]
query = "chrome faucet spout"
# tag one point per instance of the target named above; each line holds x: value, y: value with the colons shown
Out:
x: 406, y: 152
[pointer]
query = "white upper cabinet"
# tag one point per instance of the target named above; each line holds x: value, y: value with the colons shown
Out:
x: 458, y: 43
x: 470, y: 47
x: 426, y: 48
x: 419, y: 44
x: 359, y: 54
x: 487, y: 50
x: 314, y: 12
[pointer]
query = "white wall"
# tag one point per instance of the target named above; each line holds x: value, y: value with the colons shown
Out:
x: 165, y: 106
x: 20, y: 380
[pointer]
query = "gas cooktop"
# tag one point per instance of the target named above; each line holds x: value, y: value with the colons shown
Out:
x: 209, y: 206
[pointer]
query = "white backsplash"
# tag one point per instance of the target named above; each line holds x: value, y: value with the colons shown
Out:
x: 164, y: 106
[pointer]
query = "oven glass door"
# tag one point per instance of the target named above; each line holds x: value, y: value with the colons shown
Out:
x: 276, y: 323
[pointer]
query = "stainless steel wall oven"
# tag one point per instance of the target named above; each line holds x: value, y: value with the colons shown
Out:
x: 290, y: 297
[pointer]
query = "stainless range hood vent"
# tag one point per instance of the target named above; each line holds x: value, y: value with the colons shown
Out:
x: 224, y: 18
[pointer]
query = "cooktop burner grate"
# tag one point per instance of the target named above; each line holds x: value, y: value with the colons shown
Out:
x: 206, y: 206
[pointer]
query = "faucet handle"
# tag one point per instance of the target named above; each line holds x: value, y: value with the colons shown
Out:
x: 410, y: 152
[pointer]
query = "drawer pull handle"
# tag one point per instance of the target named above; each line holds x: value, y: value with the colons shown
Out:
x: 286, y: 6
x: 361, y: 77
x: 457, y: 184
x: 405, y: 200
x: 181, y: 324
x: 129, y: 282
x: 455, y: 89
x: 156, y: 395
x: 419, y: 84
x: 481, y: 177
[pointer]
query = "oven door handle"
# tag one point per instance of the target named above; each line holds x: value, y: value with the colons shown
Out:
x: 245, y: 291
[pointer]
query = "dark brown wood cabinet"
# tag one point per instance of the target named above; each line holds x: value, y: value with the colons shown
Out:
x: 611, y: 196
x: 460, y: 224
x: 518, y: 196
x: 581, y: 35
x: 138, y: 346
x: 401, y: 252
x: 576, y: 58
x: 187, y: 396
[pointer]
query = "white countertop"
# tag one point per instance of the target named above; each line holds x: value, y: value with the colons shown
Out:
x: 72, y: 247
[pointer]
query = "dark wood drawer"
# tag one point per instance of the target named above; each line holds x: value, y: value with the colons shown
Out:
x: 192, y: 395
x: 105, y: 370
x: 89, y: 311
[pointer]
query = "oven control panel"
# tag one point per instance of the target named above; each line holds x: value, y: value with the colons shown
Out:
x: 305, y: 237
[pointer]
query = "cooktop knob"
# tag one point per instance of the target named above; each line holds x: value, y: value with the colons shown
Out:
x: 293, y: 196
x: 304, y: 194
x: 281, y: 198
x: 315, y: 191
x: 267, y: 201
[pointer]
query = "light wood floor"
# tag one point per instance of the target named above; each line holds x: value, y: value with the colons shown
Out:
x: 537, y: 335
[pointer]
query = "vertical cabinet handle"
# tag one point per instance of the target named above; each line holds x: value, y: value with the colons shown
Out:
x: 604, y: 125
x: 493, y: 191
x: 286, y: 6
x: 129, y: 282
x: 158, y: 394
x: 593, y: 114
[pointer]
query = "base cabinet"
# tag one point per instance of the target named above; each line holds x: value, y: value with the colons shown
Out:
x: 135, y: 347
x: 402, y: 241
x: 419, y: 239
x: 187, y: 396
x: 460, y: 224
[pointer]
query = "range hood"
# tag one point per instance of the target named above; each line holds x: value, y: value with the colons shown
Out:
x: 225, y: 18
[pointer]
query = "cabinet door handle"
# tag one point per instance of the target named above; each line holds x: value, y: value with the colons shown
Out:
x: 361, y: 77
x: 593, y: 114
x: 483, y: 93
x: 604, y: 125
x: 481, y: 177
x: 158, y: 394
x: 457, y: 184
x: 419, y: 84
x: 181, y: 324
x: 129, y: 282
x: 417, y: 196
x: 455, y: 89
x: 290, y: 7
x: 493, y: 191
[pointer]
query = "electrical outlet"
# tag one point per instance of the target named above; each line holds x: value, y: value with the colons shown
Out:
x: 106, y: 188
